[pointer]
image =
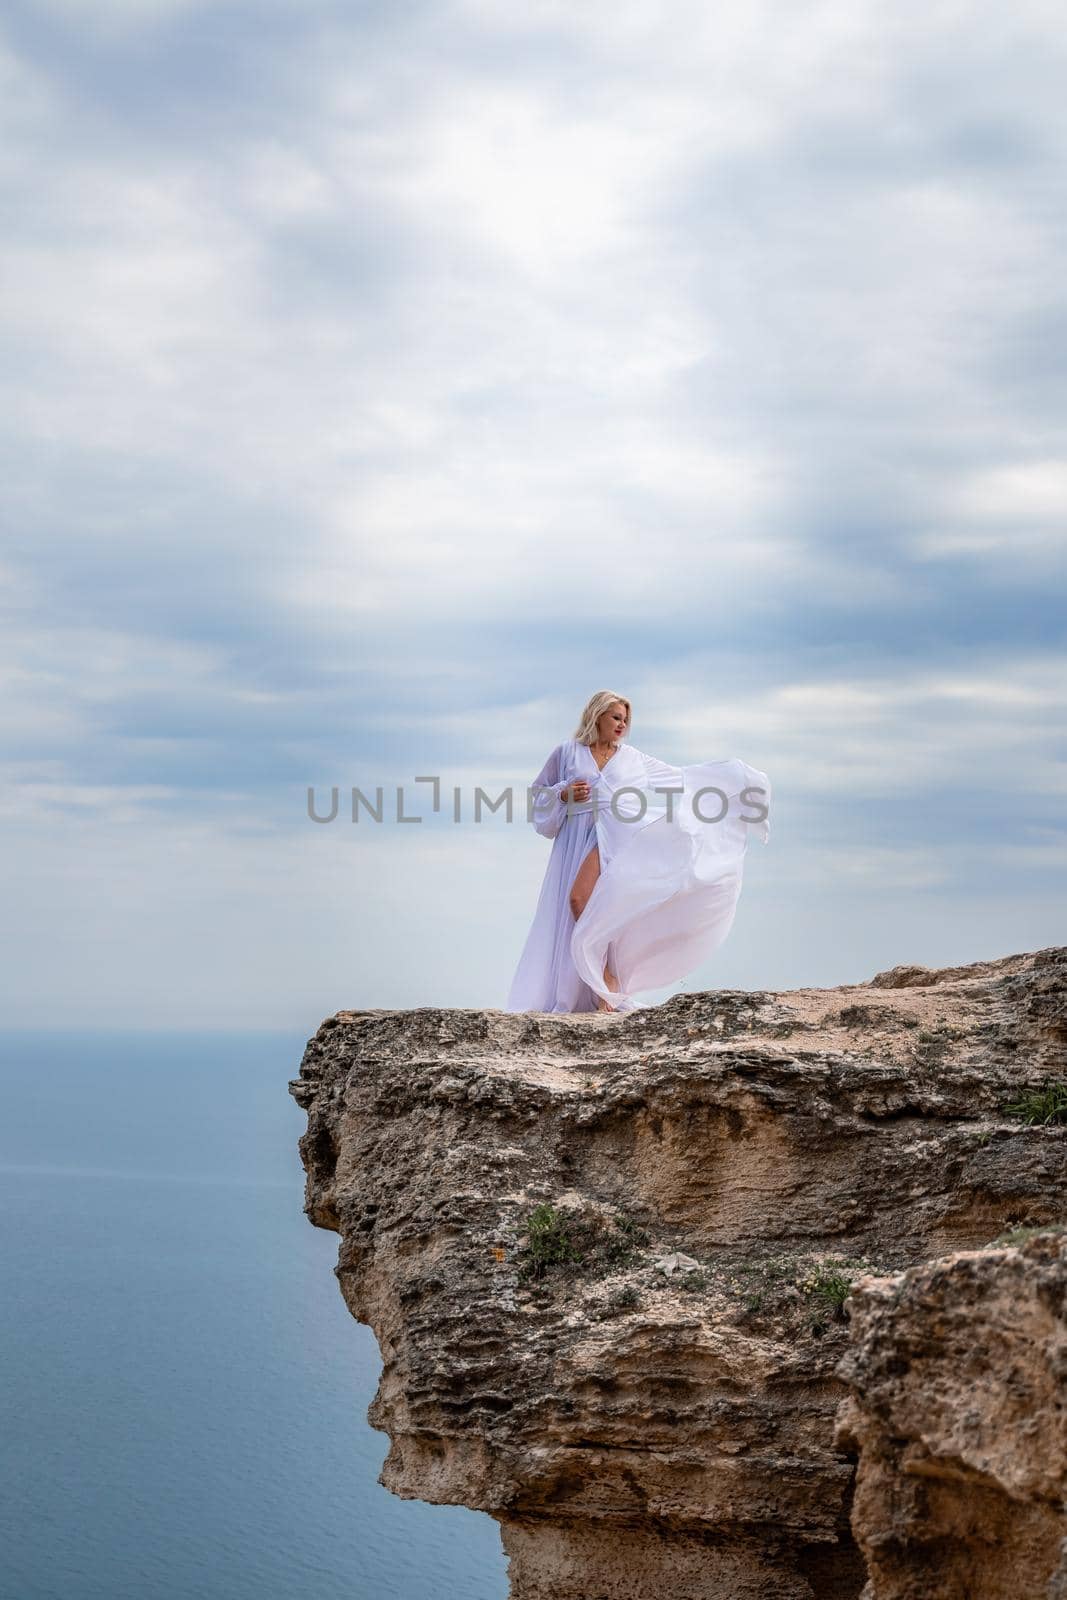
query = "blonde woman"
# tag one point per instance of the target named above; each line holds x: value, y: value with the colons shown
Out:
x: 645, y: 871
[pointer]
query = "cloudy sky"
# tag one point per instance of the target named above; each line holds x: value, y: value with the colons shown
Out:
x: 383, y: 379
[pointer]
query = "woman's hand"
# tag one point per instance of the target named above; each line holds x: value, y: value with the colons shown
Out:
x: 579, y: 791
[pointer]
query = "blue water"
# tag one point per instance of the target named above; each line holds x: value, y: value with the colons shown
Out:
x: 182, y: 1391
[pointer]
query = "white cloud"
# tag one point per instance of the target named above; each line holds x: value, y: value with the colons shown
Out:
x: 26, y: 796
x: 918, y: 731
x: 1007, y: 514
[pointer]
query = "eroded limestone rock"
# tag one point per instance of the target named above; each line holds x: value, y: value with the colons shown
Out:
x: 958, y: 1387
x: 638, y: 1434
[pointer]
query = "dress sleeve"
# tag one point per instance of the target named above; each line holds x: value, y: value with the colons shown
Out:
x: 660, y: 774
x: 546, y: 809
x: 734, y: 777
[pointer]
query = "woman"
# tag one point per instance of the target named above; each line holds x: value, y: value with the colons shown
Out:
x: 645, y: 871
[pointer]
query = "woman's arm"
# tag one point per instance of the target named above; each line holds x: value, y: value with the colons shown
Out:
x: 548, y: 797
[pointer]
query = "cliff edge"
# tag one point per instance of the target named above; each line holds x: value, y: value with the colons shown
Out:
x: 648, y: 1288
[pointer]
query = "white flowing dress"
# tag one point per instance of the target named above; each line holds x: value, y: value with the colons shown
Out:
x: 670, y: 873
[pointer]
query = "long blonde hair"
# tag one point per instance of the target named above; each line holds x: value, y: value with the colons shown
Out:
x: 602, y: 701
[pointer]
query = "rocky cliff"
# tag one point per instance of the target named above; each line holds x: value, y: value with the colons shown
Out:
x: 957, y: 1372
x: 678, y: 1296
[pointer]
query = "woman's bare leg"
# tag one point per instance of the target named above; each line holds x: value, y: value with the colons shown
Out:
x: 582, y: 887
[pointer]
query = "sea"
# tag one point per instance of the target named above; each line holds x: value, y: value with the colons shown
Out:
x: 183, y: 1392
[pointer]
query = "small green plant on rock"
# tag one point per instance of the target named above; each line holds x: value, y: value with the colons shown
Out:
x: 762, y: 1281
x: 625, y: 1299
x: 549, y: 1243
x: 629, y: 1238
x: 1022, y: 1235
x: 593, y: 1244
x: 807, y: 1293
x: 1041, y: 1106
x: 930, y: 1045
x: 826, y: 1288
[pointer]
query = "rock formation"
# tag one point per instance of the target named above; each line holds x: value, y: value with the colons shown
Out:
x: 608, y: 1262
x: 958, y: 1379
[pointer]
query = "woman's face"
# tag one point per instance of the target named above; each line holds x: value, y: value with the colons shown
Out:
x: 611, y: 724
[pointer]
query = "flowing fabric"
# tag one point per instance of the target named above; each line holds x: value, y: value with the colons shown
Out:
x: 672, y: 842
